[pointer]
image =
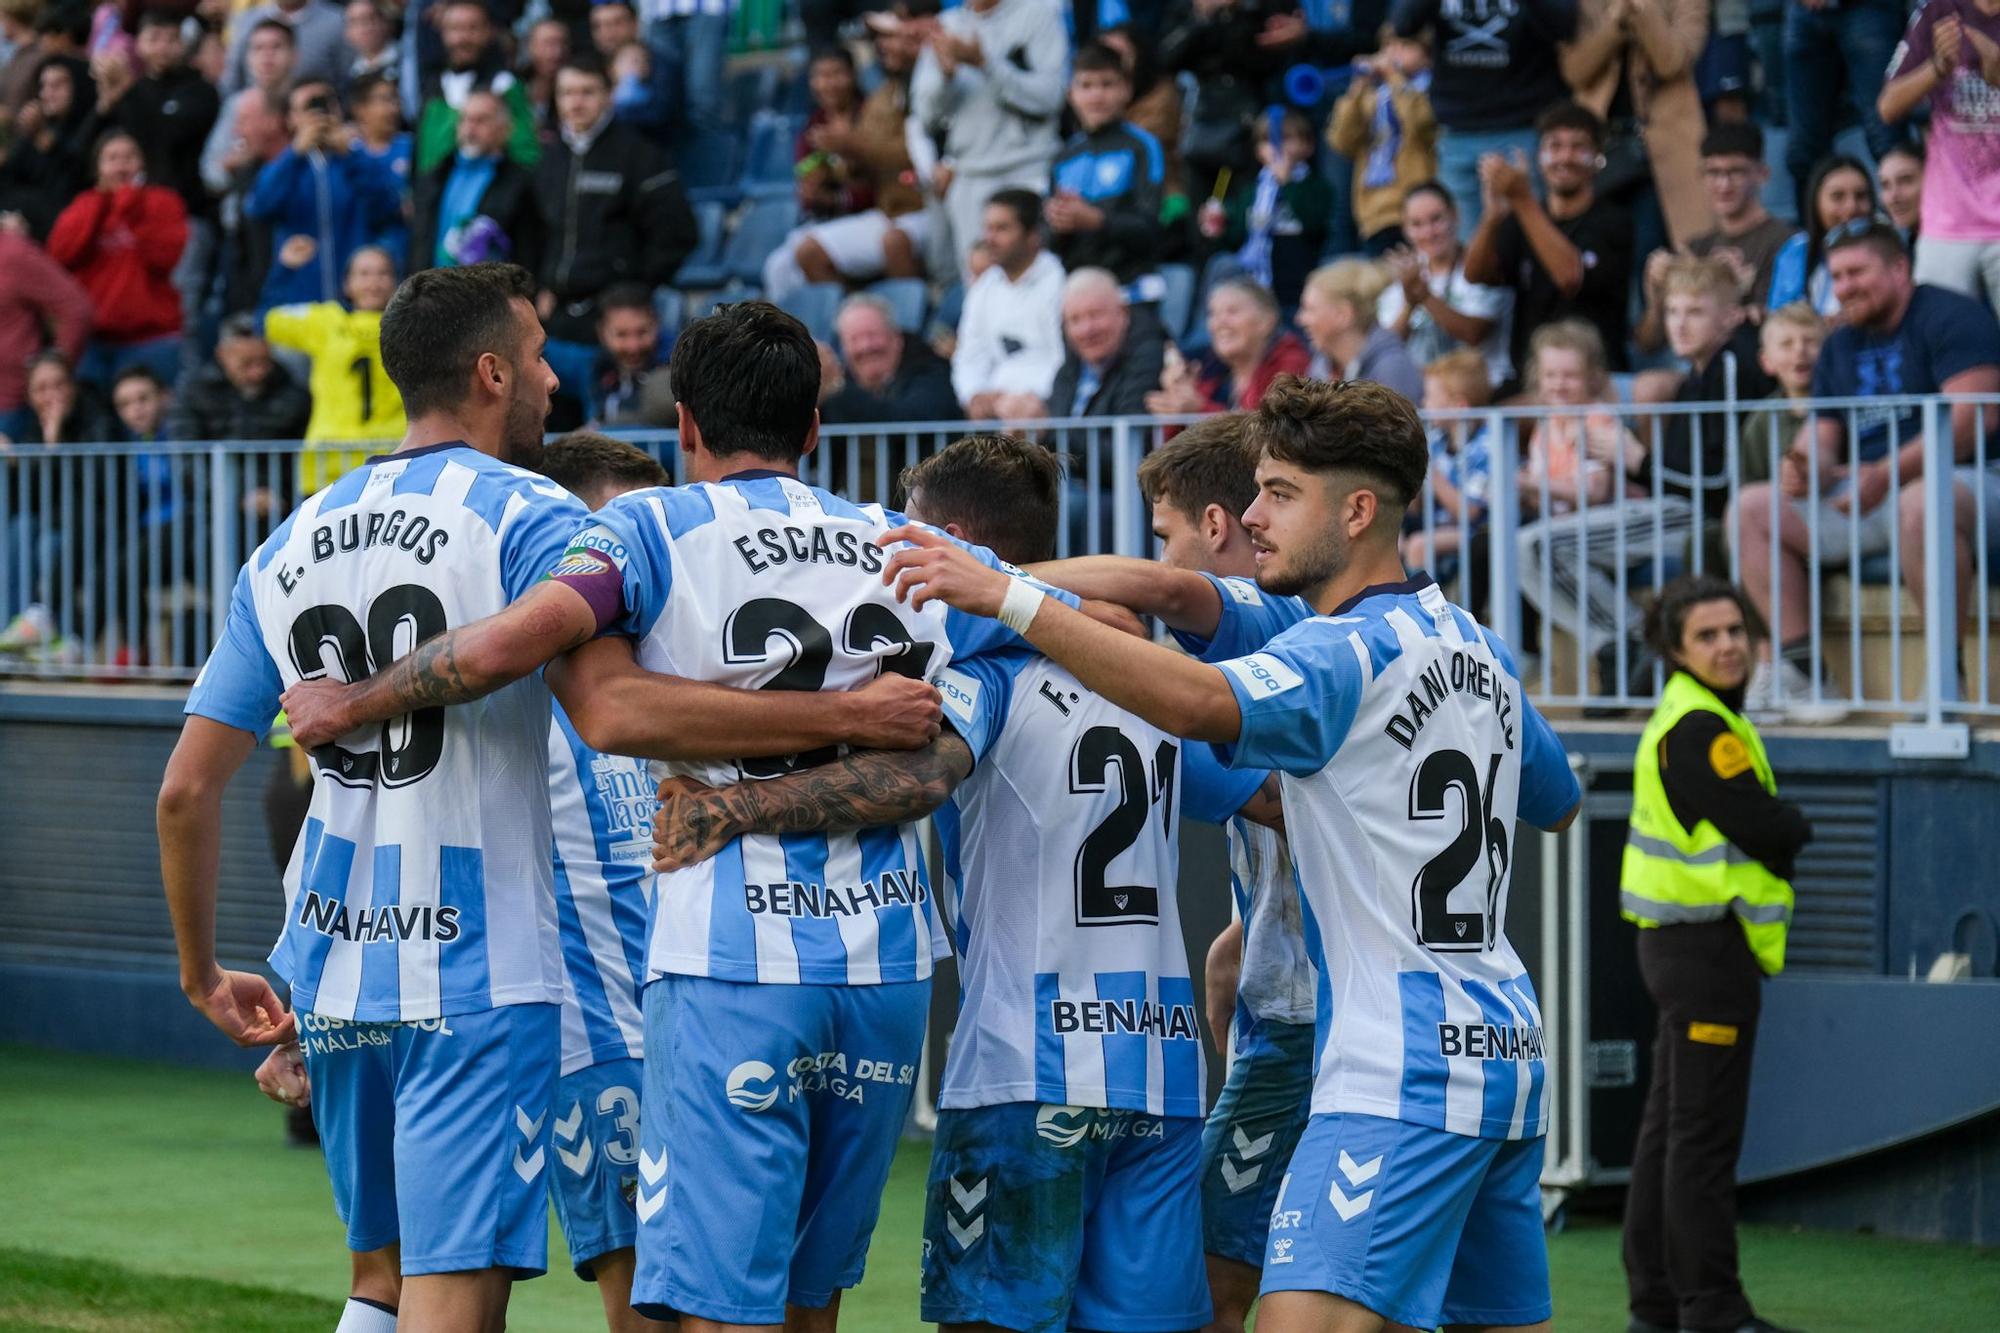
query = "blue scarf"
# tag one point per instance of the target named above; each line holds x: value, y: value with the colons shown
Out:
x: 1255, y: 256
x: 1386, y: 137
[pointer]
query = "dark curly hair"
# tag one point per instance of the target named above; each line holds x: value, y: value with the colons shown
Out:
x: 1354, y: 426
x: 1667, y: 616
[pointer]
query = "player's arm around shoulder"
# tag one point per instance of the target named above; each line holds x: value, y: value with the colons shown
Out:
x: 1179, y: 598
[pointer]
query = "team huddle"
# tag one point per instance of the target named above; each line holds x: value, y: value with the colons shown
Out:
x: 689, y: 1005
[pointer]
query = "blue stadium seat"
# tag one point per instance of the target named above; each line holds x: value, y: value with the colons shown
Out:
x: 669, y: 307
x: 761, y: 229
x: 950, y: 306
x: 908, y: 297
x: 708, y: 168
x: 751, y: 90
x: 704, y: 267
x: 1178, y: 304
x: 767, y: 156
x: 815, y: 305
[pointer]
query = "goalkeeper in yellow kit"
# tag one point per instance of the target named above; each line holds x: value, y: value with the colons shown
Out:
x: 353, y: 400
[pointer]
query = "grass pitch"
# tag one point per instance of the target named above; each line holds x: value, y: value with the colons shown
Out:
x: 142, y: 1198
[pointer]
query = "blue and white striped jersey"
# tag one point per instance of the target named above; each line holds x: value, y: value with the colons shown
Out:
x: 1408, y: 751
x: 1277, y: 981
x: 1062, y: 856
x: 761, y: 581
x: 420, y: 886
x: 602, y: 808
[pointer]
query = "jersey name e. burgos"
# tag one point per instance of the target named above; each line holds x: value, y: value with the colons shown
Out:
x: 1408, y: 750
x: 421, y: 884
x: 1062, y: 858
x: 762, y: 582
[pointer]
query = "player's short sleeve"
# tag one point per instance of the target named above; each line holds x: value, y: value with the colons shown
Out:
x: 1298, y: 695
x: 1250, y: 619
x: 618, y: 560
x: 970, y: 634
x: 535, y: 539
x: 977, y: 693
x: 1211, y: 791
x: 1549, y: 787
x: 239, y: 686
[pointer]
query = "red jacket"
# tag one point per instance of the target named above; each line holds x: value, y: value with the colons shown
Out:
x: 35, y: 294
x: 123, y: 245
x: 1285, y: 356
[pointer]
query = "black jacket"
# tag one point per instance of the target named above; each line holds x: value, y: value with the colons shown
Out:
x: 208, y: 407
x: 1122, y: 390
x: 920, y: 390
x: 509, y: 200
x: 1767, y: 827
x: 170, y: 117
x: 1120, y: 169
x: 615, y: 214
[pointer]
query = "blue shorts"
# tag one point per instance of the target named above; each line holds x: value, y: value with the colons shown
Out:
x: 436, y: 1134
x: 1040, y: 1218
x: 596, y: 1171
x: 1422, y: 1226
x: 1250, y: 1136
x: 785, y: 1104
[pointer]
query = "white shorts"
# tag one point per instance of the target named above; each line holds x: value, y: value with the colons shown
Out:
x: 853, y: 243
x: 1876, y: 526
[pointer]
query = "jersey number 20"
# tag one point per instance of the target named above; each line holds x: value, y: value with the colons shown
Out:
x: 398, y: 620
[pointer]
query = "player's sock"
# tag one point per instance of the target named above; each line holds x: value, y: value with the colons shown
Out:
x: 366, y: 1317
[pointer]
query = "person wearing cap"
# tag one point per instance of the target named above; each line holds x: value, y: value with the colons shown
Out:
x: 1706, y: 877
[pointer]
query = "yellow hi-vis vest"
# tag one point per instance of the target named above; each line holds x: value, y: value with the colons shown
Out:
x: 1674, y: 875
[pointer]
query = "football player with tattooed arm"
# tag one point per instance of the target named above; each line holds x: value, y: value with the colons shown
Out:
x: 782, y: 960
x: 1407, y: 750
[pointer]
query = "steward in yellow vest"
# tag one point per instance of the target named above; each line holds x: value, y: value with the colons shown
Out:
x: 1708, y: 859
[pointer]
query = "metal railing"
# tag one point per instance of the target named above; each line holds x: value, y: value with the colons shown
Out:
x: 129, y: 551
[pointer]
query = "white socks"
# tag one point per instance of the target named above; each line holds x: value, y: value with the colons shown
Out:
x: 365, y: 1317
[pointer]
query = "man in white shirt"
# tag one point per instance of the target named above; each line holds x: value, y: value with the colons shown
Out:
x: 1010, y: 342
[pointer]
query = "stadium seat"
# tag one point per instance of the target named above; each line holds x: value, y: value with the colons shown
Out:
x: 1178, y: 304
x: 767, y: 156
x: 815, y: 305
x: 949, y: 307
x: 908, y: 297
x: 762, y: 228
x: 752, y: 89
x: 708, y: 169
x: 704, y: 267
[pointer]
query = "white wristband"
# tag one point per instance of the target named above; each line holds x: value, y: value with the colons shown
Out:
x: 1018, y: 607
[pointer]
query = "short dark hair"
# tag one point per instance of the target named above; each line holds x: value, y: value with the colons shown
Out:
x: 1210, y: 463
x: 1910, y: 148
x: 1570, y: 116
x: 442, y: 320
x: 279, y: 25
x: 588, y: 63
x: 106, y: 138
x: 1000, y: 491
x: 584, y: 460
x: 1880, y: 237
x: 1433, y: 187
x: 479, y: 5
x: 1346, y: 426
x: 70, y: 18
x: 1667, y: 616
x: 626, y: 296
x: 749, y: 376
x: 1025, y: 205
x: 159, y: 18
x: 364, y: 85
x: 1097, y: 58
x: 1734, y: 138
x: 137, y: 372
x: 835, y: 53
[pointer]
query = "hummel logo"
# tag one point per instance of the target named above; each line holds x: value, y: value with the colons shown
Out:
x: 1238, y: 1181
x: 528, y: 1167
x: 1248, y: 1148
x: 963, y: 1217
x: 567, y: 1126
x: 529, y: 1128
x: 1349, y: 1209
x: 652, y: 1169
x: 648, y: 1204
x: 968, y: 1200
x: 1359, y: 1173
x: 579, y: 1160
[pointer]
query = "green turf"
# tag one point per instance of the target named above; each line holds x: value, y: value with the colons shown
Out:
x: 143, y: 1172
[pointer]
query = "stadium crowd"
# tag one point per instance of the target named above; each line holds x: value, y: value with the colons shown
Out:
x: 1020, y: 209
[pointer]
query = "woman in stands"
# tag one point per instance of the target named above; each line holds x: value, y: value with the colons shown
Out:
x: 122, y: 239
x: 1841, y: 190
x: 1431, y: 306
x: 1337, y: 311
x: 45, y: 164
x: 1247, y: 350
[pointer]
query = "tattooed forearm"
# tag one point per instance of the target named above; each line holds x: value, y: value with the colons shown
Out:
x: 866, y: 789
x: 430, y: 676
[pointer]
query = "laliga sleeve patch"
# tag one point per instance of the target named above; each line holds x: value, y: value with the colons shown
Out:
x: 1728, y: 756
x: 1263, y: 675
x: 959, y: 693
x: 1712, y: 1034
x: 1243, y: 592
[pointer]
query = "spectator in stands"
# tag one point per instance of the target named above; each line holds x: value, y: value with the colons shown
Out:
x: 641, y: 86
x: 1103, y: 209
x: 1899, y: 181
x: 1841, y: 192
x: 1496, y: 71
x: 1108, y: 369
x: 1156, y: 109
x: 690, y: 38
x: 140, y: 398
x: 41, y: 306
x: 1430, y: 305
x: 990, y: 86
x: 1461, y: 476
x: 542, y: 54
x: 242, y: 394
x: 1010, y: 335
x: 1745, y: 233
x: 61, y: 30
x: 1384, y: 122
x: 170, y: 109
x: 375, y: 114
x: 1707, y: 331
x: 829, y: 184
x: 372, y: 40
x: 1275, y: 223
x: 1570, y: 257
x: 270, y: 51
x: 1632, y: 64
x: 1232, y: 48
x: 1896, y: 337
x: 882, y: 375
x: 17, y: 69
x: 614, y: 211
x: 1788, y: 344
x: 1828, y: 48
x: 353, y: 398
x: 887, y: 239
x: 473, y: 63
x: 320, y: 28
x: 322, y: 200
x: 1337, y: 314
x: 47, y: 161
x: 1247, y: 350
x: 1950, y: 58
x: 59, y: 409
x: 122, y: 239
x: 481, y: 204
x: 622, y: 378
x: 248, y: 253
